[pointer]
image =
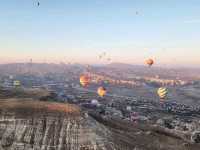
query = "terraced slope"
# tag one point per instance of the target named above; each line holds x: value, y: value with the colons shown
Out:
x: 37, y: 125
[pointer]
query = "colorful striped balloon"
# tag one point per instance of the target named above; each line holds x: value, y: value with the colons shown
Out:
x: 162, y: 92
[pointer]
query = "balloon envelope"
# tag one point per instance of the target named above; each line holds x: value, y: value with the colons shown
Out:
x: 16, y: 83
x: 101, y: 91
x: 84, y: 80
x: 149, y: 62
x: 162, y: 92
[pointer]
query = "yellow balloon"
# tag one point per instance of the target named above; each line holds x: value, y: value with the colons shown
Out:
x: 16, y: 83
x: 162, y: 92
x: 101, y: 91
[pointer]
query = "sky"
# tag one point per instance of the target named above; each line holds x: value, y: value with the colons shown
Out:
x: 129, y: 31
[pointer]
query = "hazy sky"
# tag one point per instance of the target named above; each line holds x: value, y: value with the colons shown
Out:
x: 79, y: 30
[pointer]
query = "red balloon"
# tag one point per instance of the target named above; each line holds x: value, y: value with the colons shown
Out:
x: 149, y: 62
x: 84, y: 80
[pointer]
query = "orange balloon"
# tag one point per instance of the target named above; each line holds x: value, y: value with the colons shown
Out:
x: 101, y: 91
x: 149, y: 62
x: 84, y: 80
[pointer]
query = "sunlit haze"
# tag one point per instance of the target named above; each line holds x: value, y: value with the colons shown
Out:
x: 79, y: 31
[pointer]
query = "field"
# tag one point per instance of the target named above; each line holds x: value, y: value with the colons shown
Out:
x: 23, y: 93
x: 30, y: 106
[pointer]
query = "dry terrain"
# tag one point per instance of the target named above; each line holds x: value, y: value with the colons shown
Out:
x: 29, y: 124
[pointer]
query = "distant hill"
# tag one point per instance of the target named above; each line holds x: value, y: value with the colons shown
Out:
x: 140, y: 70
x: 163, y: 72
x: 38, y: 68
x: 125, y: 66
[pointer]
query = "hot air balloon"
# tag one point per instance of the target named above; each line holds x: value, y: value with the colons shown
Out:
x: 101, y: 91
x: 149, y: 62
x: 84, y: 80
x: 106, y: 81
x: 162, y: 92
x: 16, y: 83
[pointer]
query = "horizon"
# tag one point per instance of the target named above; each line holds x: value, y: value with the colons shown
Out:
x: 108, y: 64
x: 128, y: 31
